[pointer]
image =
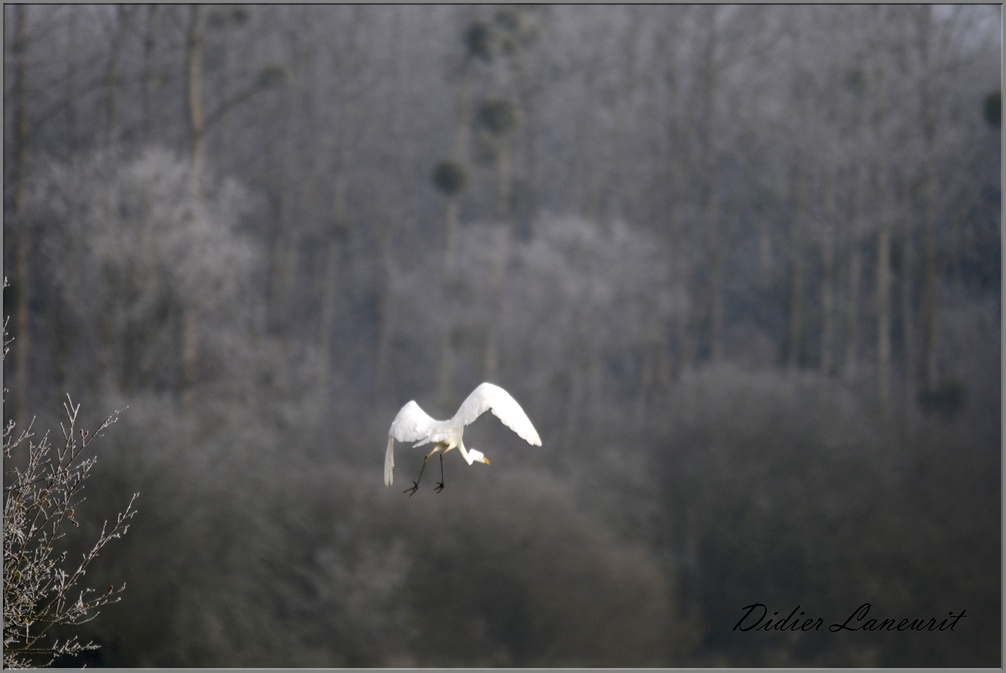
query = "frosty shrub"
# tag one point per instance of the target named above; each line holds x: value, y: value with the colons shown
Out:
x: 786, y: 489
x: 507, y: 572
x: 776, y: 483
x: 254, y: 555
x: 41, y: 583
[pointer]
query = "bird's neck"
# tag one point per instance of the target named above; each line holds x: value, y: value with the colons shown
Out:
x: 464, y: 453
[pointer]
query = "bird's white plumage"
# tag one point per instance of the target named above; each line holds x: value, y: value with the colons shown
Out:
x: 412, y: 424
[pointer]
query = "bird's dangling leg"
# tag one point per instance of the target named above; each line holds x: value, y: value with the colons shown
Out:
x: 415, y: 484
x: 440, y: 484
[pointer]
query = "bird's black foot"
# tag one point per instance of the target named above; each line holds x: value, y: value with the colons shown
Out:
x: 440, y: 486
x: 410, y: 491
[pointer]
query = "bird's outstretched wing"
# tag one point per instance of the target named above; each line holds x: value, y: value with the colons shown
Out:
x: 411, y: 424
x: 488, y: 396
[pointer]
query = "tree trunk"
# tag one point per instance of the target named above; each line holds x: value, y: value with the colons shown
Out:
x: 388, y: 314
x: 798, y: 214
x: 717, y: 282
x: 330, y: 277
x: 22, y: 348
x: 883, y: 296
x: 929, y: 200
x: 680, y: 272
x: 334, y: 232
x: 152, y: 79
x: 828, y: 284
x: 797, y: 277
x: 699, y: 309
x: 861, y: 178
x: 828, y: 237
x: 386, y: 286
x: 908, y: 352
x: 197, y: 113
x: 326, y: 317
x: 452, y: 215
x: 111, y: 320
x: 717, y: 290
x: 599, y: 190
x: 71, y: 80
x: 883, y: 313
x: 491, y: 355
x: 123, y: 17
x: 197, y: 148
x: 502, y: 253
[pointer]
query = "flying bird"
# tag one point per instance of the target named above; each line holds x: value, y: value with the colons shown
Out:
x: 412, y: 424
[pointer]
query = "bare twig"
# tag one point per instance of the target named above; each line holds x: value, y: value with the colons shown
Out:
x: 39, y: 586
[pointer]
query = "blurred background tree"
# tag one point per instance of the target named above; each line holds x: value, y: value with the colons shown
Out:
x: 740, y: 265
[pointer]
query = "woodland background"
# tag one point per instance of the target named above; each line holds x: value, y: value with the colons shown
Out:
x: 740, y: 265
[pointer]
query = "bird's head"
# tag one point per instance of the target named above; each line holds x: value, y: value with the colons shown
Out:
x: 477, y: 456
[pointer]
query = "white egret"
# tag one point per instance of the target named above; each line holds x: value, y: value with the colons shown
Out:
x: 412, y: 424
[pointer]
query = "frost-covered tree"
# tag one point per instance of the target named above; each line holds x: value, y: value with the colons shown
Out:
x: 129, y: 250
x: 587, y: 298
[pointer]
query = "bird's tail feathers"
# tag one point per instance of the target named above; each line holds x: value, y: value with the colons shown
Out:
x: 389, y: 462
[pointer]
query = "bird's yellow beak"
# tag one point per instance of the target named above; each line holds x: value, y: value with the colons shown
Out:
x: 485, y: 460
